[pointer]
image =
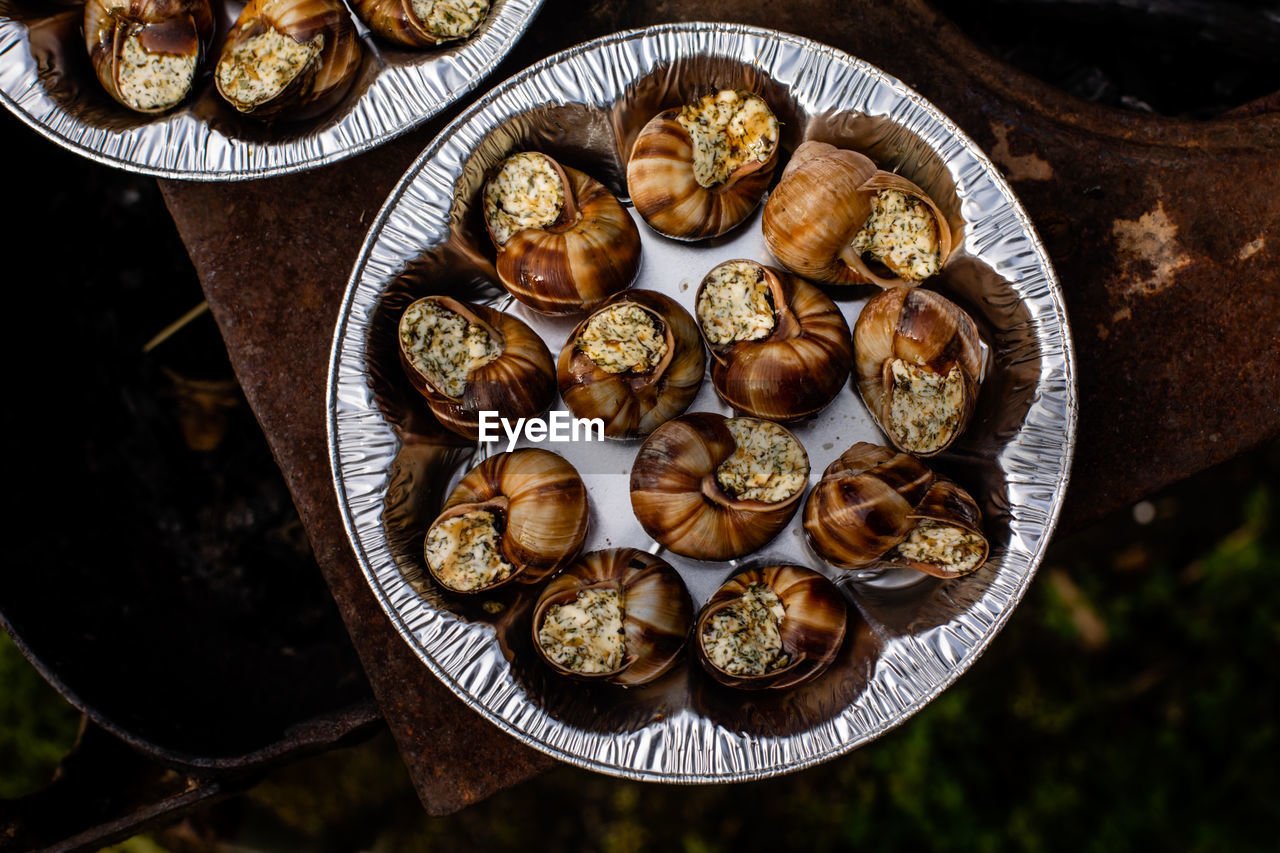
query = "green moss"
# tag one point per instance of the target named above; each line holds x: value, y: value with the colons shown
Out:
x: 37, y: 726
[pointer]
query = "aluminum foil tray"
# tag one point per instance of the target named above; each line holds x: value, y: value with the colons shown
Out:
x: 910, y: 635
x: 47, y: 81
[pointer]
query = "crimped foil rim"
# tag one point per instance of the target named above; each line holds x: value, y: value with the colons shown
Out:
x: 684, y: 747
x: 182, y: 147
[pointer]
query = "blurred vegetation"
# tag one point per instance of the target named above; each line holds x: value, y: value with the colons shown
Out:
x: 37, y: 726
x: 1129, y: 701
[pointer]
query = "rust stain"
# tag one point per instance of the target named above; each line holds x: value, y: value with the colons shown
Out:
x: 1022, y: 167
x: 1253, y: 247
x: 1150, y: 253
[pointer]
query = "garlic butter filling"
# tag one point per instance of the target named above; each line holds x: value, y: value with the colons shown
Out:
x: 623, y: 337
x: 525, y: 193
x: 443, y: 346
x: 465, y: 551
x: 729, y: 129
x: 734, y: 304
x: 901, y: 234
x: 153, y: 81
x: 585, y: 635
x: 261, y: 67
x: 743, y: 638
x: 954, y: 548
x: 924, y: 407
x: 450, y: 19
x: 768, y: 464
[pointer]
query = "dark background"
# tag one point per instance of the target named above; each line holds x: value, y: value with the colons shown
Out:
x: 1131, y: 698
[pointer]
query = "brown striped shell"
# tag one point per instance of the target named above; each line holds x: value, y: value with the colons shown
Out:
x: 630, y: 403
x: 864, y: 504
x: 921, y: 328
x: 821, y: 203
x: 802, y: 364
x: 397, y: 21
x: 324, y: 81
x: 541, y: 508
x: 519, y: 383
x: 168, y: 27
x: 948, y: 505
x: 657, y: 611
x: 589, y: 254
x: 660, y: 178
x: 679, y: 502
x: 812, y: 628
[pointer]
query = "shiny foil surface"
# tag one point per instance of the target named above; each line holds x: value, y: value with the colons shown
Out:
x: 46, y: 80
x: 909, y: 635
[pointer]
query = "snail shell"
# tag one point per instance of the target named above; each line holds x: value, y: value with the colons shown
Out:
x: 798, y: 367
x: 739, y: 647
x: 671, y: 182
x: 947, y: 539
x: 635, y: 401
x: 288, y: 57
x: 825, y: 198
x: 517, y: 516
x: 514, y: 376
x: 147, y: 53
x: 652, y: 625
x: 919, y: 361
x: 864, y: 504
x: 572, y: 247
x: 422, y: 23
x: 678, y: 490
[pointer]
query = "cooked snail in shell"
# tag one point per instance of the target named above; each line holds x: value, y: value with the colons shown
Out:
x: 465, y: 359
x: 422, y: 23
x: 517, y: 516
x: 619, y: 615
x: 774, y: 627
x: 635, y: 363
x: 919, y: 361
x: 835, y: 218
x: 716, y: 488
x: 565, y: 244
x: 875, y: 506
x: 781, y: 347
x: 292, y: 58
x: 147, y: 53
x: 699, y: 170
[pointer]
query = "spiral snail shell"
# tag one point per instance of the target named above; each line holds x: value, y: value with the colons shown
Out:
x: 517, y: 516
x: 835, y: 218
x: 565, y: 244
x: 699, y: 170
x: 618, y: 615
x: 294, y: 58
x: 465, y: 359
x: 422, y: 23
x: 781, y: 347
x: 147, y: 53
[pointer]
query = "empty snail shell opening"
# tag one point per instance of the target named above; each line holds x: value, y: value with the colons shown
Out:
x: 743, y: 638
x: 729, y: 129
x: 901, y: 234
x: 450, y: 19
x: 262, y: 66
x: 734, y: 304
x: 623, y: 337
x: 527, y: 192
x: 924, y: 407
x: 767, y: 465
x: 464, y: 551
x: 443, y: 346
x: 586, y: 634
x: 953, y: 549
x: 152, y: 81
